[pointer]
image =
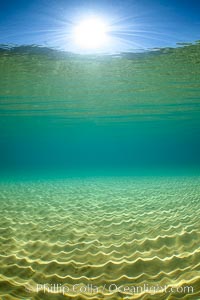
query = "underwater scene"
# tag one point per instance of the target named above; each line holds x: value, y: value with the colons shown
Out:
x: 99, y: 181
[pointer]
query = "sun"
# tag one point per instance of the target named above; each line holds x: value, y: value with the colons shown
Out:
x: 91, y: 33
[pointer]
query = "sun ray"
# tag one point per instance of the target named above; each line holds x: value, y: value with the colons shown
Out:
x: 90, y: 33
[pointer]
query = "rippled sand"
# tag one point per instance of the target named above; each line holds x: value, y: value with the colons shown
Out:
x: 99, y: 234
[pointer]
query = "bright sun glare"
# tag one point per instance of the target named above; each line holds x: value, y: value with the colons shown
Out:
x: 91, y: 33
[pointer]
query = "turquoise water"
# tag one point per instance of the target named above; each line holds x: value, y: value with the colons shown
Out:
x: 131, y: 111
x: 99, y: 174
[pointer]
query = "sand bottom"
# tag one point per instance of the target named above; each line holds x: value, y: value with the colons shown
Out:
x: 110, y: 238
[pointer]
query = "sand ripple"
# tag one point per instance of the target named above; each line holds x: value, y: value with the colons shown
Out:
x: 128, y: 232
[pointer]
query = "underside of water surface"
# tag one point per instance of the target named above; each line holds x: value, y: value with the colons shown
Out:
x: 100, y: 185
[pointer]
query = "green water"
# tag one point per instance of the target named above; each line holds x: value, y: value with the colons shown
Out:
x: 99, y: 174
x: 103, y: 113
